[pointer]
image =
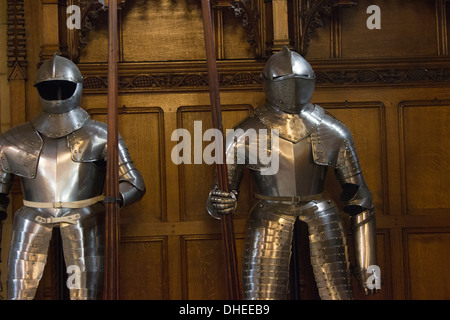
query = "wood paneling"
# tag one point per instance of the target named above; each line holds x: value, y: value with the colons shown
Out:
x: 425, y: 152
x: 143, y: 132
x: 203, y: 267
x: 403, y: 24
x: 427, y: 263
x: 144, y: 279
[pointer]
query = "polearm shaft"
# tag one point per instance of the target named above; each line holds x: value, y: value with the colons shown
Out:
x: 232, y: 275
x: 111, y: 290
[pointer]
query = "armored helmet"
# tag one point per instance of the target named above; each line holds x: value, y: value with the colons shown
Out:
x: 60, y: 85
x: 289, y: 81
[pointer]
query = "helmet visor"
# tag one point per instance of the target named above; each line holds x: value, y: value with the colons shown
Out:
x: 56, y: 90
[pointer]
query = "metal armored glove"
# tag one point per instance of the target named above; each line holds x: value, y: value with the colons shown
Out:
x: 220, y: 203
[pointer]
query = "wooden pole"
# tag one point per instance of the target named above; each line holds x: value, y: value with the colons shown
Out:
x: 233, y: 284
x: 111, y: 291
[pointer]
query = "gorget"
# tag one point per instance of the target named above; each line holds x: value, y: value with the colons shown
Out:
x: 56, y: 125
x: 291, y: 127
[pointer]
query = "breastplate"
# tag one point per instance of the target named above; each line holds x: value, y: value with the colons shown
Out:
x: 59, y: 178
x: 298, y: 174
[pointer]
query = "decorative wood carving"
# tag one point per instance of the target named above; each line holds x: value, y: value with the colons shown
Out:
x: 383, y: 76
x: 247, y: 11
x: 192, y: 77
x: 89, y: 14
x: 158, y: 82
x: 17, y: 51
x: 311, y: 15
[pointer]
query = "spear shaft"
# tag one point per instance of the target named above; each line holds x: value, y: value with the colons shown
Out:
x: 233, y: 284
x: 111, y: 291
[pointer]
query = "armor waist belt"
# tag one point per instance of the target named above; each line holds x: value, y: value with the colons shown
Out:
x: 60, y: 204
x: 293, y: 199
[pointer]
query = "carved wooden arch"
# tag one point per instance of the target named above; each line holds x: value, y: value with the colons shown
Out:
x: 245, y: 10
x: 311, y: 15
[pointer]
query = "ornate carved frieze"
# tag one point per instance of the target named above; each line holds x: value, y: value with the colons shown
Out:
x: 414, y: 75
x: 247, y: 75
x: 173, y: 82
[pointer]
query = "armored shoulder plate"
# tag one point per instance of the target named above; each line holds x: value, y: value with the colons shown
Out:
x: 291, y: 127
x: 88, y: 144
x: 20, y: 148
x: 332, y: 145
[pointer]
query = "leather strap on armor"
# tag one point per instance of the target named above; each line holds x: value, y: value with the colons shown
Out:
x: 59, y: 204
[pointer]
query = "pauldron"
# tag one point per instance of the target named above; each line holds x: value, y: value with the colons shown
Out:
x: 20, y: 148
x: 88, y: 144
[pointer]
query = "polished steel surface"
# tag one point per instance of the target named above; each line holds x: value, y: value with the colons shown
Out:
x: 310, y: 141
x: 60, y: 157
x: 52, y: 75
x: 56, y: 125
x: 59, y: 178
x: 19, y: 151
x: 69, y: 169
x: 267, y: 251
x: 27, y: 254
x: 288, y: 81
x: 364, y: 235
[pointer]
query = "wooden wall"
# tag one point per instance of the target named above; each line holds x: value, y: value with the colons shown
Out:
x: 388, y: 85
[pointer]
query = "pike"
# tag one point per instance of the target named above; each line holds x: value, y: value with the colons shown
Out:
x: 111, y: 287
x: 233, y: 284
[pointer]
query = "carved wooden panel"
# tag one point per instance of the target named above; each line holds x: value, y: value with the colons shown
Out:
x: 142, y: 130
x: 366, y: 121
x: 424, y: 150
x: 143, y: 269
x: 196, y: 180
x: 427, y: 263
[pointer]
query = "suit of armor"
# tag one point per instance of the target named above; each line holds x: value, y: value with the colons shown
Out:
x: 310, y: 141
x: 60, y: 157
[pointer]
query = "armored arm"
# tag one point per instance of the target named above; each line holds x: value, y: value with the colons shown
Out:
x: 358, y: 203
x: 131, y: 184
x: 6, y: 180
x: 220, y: 202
